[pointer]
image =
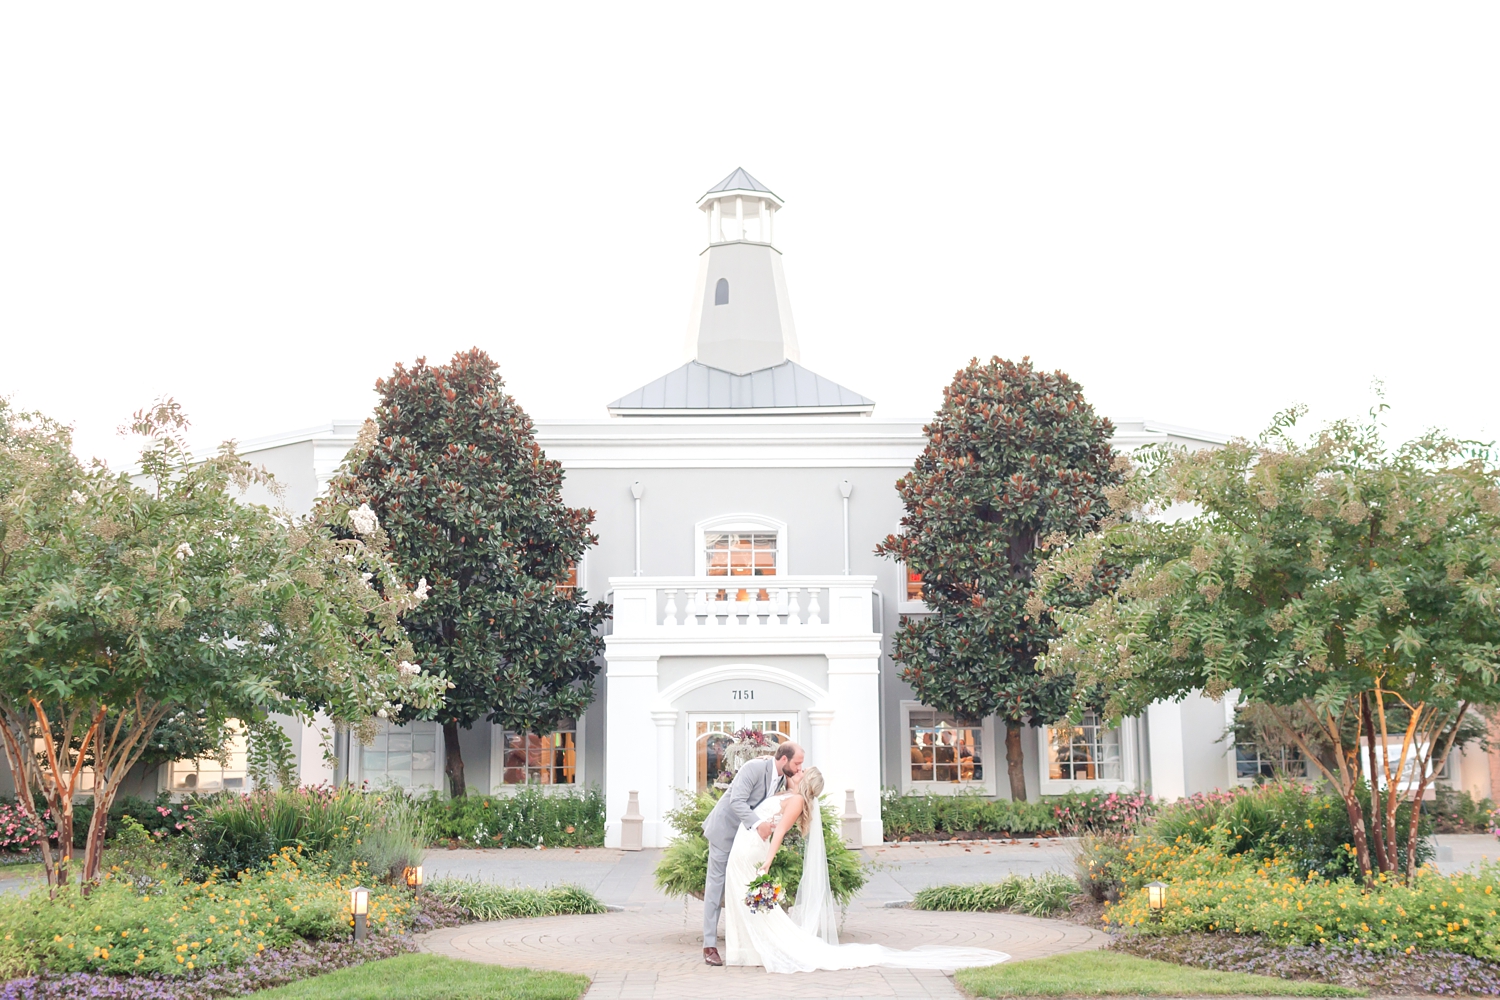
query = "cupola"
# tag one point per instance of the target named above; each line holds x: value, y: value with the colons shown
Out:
x: 740, y: 208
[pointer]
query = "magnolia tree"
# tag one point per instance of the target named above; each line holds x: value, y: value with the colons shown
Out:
x: 1016, y: 461
x: 126, y: 610
x: 1349, y: 591
x: 474, y: 515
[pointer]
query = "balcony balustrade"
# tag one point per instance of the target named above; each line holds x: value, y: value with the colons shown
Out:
x: 809, y: 605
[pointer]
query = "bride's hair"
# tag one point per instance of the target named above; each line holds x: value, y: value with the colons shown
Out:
x: 810, y: 788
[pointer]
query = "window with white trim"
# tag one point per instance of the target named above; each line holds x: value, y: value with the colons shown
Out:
x: 740, y: 545
x: 1253, y: 762
x: 909, y: 600
x: 943, y: 752
x: 214, y: 774
x: 401, y: 756
x: 739, y: 553
x: 535, y: 759
x: 1088, y: 751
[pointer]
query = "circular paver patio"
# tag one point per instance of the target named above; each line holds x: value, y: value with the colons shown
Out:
x: 655, y: 950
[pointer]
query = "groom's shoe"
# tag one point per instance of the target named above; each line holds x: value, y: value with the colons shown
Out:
x: 711, y: 957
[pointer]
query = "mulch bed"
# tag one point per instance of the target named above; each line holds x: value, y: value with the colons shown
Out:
x: 1389, y: 973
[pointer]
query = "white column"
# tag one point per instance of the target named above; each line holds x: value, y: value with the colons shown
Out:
x: 630, y: 681
x: 657, y: 832
x: 770, y: 220
x: 853, y: 749
x: 739, y: 217
x: 765, y: 215
x: 716, y: 223
x: 313, y: 742
x: 819, y: 740
x: 1164, y: 737
x: 708, y: 217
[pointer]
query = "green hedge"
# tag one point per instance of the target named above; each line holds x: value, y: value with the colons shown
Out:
x: 1061, y: 815
x: 528, y: 818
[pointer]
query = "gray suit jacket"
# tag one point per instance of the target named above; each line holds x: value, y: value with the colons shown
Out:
x: 756, y: 782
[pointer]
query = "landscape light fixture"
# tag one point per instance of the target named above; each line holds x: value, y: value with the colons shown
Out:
x: 1156, y: 895
x: 359, y: 902
x: 413, y: 877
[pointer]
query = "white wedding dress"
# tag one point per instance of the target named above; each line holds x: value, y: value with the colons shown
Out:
x: 806, y: 939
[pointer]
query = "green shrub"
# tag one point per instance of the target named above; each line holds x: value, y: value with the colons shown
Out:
x: 1038, y: 895
x: 161, y: 816
x: 1305, y: 826
x: 487, y: 901
x: 1211, y: 888
x: 187, y: 926
x: 529, y: 817
x: 683, y: 868
x: 1100, y: 812
x: 134, y: 855
x: 917, y: 814
x: 382, y: 831
x: 1456, y: 811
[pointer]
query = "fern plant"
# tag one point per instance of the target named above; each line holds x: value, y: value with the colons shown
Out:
x: 683, y: 868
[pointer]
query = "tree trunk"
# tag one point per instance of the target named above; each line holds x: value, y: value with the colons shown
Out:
x: 1385, y: 856
x: 93, y: 845
x: 1357, y: 822
x: 453, y: 761
x: 21, y: 768
x: 1015, y: 761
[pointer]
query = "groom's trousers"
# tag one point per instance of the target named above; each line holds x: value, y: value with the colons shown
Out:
x: 713, y: 894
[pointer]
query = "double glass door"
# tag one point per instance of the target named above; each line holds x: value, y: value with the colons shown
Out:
x: 712, y: 733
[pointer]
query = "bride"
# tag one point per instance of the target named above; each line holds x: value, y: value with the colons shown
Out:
x: 806, y: 939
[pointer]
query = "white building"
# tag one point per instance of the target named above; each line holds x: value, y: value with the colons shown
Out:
x: 741, y: 463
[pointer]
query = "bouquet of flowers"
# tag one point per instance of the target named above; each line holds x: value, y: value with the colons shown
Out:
x: 764, y: 893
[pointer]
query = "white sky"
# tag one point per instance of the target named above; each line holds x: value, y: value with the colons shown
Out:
x: 1203, y: 212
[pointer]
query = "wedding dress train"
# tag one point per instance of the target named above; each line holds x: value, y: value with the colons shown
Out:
x: 806, y: 939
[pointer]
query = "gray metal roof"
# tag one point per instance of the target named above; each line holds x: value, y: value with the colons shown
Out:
x: 696, y: 386
x: 739, y: 181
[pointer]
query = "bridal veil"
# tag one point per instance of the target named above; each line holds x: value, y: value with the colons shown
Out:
x: 814, y: 910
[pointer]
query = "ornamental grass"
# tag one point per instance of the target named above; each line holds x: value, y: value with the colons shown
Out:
x: 133, y: 926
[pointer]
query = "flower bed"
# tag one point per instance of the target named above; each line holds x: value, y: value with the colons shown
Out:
x: 528, y: 818
x: 967, y: 816
x: 267, y: 969
x: 1384, y: 972
x: 1212, y: 890
x: 137, y: 925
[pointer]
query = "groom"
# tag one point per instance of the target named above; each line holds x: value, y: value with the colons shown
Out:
x: 757, y: 780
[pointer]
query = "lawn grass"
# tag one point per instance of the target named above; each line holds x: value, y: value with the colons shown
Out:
x: 1113, y: 973
x: 432, y: 977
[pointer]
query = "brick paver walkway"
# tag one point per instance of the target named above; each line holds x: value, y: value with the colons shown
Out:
x: 650, y: 948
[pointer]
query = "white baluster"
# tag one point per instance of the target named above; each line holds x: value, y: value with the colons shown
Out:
x: 671, y: 613
x: 690, y: 602
x: 813, y: 611
x: 794, y: 605
x: 779, y: 609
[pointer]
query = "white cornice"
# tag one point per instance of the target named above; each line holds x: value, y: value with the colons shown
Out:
x: 723, y: 441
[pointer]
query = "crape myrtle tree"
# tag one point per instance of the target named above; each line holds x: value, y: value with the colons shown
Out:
x: 474, y: 513
x: 138, y: 619
x: 1349, y: 591
x: 1016, y: 462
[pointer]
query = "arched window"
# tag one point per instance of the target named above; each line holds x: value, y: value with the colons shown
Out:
x: 721, y: 292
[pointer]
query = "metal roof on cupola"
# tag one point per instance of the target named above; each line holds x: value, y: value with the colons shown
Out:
x: 739, y: 180
x: 741, y: 342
